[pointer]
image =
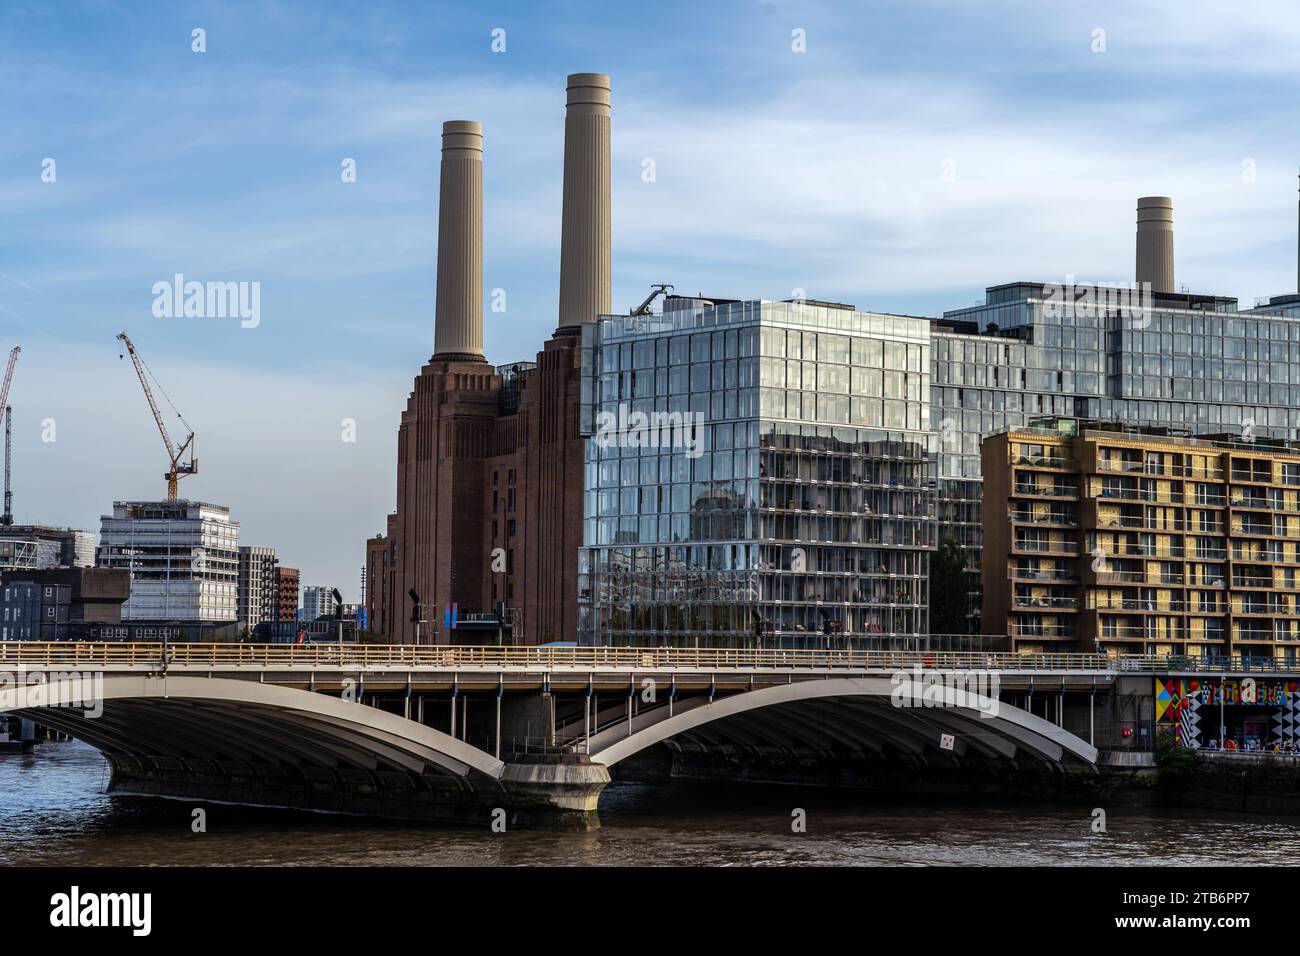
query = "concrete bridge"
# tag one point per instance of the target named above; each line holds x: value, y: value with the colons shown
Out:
x: 452, y: 733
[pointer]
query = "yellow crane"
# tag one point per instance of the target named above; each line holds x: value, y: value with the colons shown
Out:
x: 178, y: 468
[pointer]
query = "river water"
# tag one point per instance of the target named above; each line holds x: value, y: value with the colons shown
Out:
x: 53, y: 811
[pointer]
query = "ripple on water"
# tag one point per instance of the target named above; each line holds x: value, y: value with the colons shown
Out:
x: 53, y: 811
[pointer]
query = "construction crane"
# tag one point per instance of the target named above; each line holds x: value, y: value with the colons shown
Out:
x: 660, y: 288
x: 7, y: 518
x: 178, y: 468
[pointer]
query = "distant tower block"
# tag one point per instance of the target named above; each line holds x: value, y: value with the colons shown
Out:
x: 585, y: 237
x: 1155, y: 242
x: 458, y: 333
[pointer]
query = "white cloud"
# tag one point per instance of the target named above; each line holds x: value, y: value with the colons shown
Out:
x: 820, y: 189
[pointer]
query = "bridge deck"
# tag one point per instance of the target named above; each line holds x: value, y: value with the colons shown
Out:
x: 500, y: 658
x: 475, y: 666
x: 603, y: 669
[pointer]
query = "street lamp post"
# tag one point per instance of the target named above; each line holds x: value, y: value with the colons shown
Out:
x: 416, y: 615
x: 130, y: 572
x: 338, y: 614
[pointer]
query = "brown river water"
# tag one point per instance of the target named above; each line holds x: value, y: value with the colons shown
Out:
x: 53, y: 811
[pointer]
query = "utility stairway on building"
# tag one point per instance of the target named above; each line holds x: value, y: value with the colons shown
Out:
x: 451, y: 733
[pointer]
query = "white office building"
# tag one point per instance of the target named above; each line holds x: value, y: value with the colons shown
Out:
x: 183, y: 557
x: 317, y: 602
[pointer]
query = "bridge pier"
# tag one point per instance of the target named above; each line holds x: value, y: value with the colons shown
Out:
x: 550, y: 792
x: 559, y: 791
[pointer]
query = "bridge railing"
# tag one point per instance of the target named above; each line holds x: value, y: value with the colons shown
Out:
x: 1179, y: 663
x: 425, y: 656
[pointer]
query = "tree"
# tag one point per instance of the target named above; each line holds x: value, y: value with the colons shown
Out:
x: 948, y: 588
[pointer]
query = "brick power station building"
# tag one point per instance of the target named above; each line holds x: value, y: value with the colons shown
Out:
x: 821, y: 428
x: 490, y: 459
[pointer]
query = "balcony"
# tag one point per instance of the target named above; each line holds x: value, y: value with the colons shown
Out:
x: 1054, y: 520
x: 1258, y: 610
x: 1140, y: 494
x: 1139, y: 606
x: 1139, y: 577
x: 1042, y: 491
x: 1116, y: 464
x: 1258, y: 476
x: 1146, y: 551
x: 1255, y: 502
x: 1143, y: 524
x: 1021, y: 630
x: 1021, y: 602
x: 1258, y: 557
x: 1045, y: 461
x: 1251, y: 581
x: 1064, y: 576
x: 1044, y: 548
x: 1142, y: 632
x: 1257, y: 531
x: 1128, y: 467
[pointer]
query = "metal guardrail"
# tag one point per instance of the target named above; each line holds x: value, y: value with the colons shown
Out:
x: 1178, y: 663
x: 108, y: 654
x: 633, y: 659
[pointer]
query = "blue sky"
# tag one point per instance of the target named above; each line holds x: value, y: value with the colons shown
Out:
x: 774, y: 171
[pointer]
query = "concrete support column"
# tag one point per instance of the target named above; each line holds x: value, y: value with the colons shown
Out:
x: 556, y: 791
x: 497, y: 749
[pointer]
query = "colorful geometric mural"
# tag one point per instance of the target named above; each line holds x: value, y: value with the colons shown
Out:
x: 1284, y: 721
x: 1179, y: 702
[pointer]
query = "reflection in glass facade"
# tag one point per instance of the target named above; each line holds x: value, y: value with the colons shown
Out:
x: 803, y: 513
x: 1189, y: 362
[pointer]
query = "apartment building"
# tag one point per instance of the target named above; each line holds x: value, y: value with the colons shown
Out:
x: 286, y: 586
x: 258, y: 592
x: 1130, y: 541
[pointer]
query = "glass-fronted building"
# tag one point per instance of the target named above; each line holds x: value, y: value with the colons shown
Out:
x: 183, y: 558
x: 1186, y: 362
x: 836, y: 446
x: 757, y: 473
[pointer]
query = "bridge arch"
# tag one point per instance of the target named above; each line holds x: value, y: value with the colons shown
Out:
x: 867, y: 715
x: 178, y: 718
